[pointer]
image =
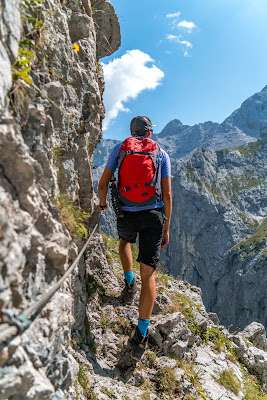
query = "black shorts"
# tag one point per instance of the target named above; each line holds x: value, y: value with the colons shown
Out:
x: 149, y: 224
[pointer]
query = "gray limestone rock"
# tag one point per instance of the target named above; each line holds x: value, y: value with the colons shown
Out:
x: 9, y: 35
x: 256, y: 333
x: 254, y: 358
x: 44, y: 154
x: 108, y: 37
x: 217, y: 239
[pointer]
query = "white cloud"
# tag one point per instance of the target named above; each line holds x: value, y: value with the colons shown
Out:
x: 186, y: 43
x: 187, y: 25
x: 178, y: 39
x: 172, y: 37
x: 175, y: 15
x: 125, y: 79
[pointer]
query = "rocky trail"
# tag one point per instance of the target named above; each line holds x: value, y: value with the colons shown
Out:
x: 190, y: 355
x: 51, y: 113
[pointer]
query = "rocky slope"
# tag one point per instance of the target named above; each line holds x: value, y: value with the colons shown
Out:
x: 51, y: 86
x: 190, y: 355
x: 218, y: 231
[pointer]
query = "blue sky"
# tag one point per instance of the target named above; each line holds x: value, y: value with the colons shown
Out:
x: 207, y: 57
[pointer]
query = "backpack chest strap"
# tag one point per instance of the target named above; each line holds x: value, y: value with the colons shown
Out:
x: 137, y: 152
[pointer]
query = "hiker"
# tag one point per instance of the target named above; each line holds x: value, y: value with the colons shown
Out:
x: 144, y: 191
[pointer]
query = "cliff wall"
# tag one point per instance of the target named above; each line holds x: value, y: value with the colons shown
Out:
x: 218, y: 230
x: 51, y: 87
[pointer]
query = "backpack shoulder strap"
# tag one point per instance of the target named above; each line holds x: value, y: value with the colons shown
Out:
x: 122, y: 152
x: 157, y: 159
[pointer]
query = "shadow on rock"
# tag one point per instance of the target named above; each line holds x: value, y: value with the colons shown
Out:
x: 126, y: 364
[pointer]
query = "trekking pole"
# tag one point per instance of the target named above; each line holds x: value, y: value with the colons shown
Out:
x: 116, y: 204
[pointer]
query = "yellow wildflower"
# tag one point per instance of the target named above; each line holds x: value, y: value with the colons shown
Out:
x: 76, y: 47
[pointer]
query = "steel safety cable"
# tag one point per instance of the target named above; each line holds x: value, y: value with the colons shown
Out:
x: 22, y: 321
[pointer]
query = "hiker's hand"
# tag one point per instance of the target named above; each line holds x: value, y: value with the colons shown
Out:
x: 165, y: 239
x: 103, y: 208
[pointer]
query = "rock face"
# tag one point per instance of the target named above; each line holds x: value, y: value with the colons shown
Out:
x: 218, y: 230
x: 9, y: 34
x: 242, y: 127
x: 49, y: 130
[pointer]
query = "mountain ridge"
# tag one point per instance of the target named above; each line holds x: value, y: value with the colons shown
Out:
x: 240, y: 128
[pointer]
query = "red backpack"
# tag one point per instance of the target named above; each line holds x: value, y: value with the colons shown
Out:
x: 139, y: 178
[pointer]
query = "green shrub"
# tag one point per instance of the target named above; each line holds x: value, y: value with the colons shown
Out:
x: 121, y: 325
x: 250, y: 149
x: 108, y: 392
x: 228, y: 379
x: 83, y: 379
x: 253, y: 389
x: 255, y: 242
x: 83, y: 376
x: 145, y: 396
x: 112, y: 248
x: 71, y: 216
x: 151, y: 358
x: 191, y: 376
x: 59, y: 155
x: 167, y: 384
x: 217, y: 337
x: 106, y: 321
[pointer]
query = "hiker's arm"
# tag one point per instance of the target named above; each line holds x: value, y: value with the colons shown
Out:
x: 167, y: 200
x: 103, y: 186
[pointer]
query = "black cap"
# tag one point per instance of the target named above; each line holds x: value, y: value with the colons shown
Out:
x: 140, y: 124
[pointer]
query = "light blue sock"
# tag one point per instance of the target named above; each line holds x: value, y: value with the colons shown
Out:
x: 129, y: 276
x: 143, y: 325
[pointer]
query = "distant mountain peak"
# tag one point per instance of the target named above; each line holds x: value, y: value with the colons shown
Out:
x: 175, y: 123
x: 174, y: 127
x: 240, y: 128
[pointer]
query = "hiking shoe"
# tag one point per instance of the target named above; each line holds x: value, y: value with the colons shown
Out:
x: 138, y: 343
x: 129, y: 291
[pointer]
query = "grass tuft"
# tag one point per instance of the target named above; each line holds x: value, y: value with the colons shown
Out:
x: 151, y: 358
x: 253, y: 389
x: 167, y: 384
x: 217, y: 337
x: 83, y: 379
x: 108, y: 392
x: 228, y: 379
x: 71, y: 216
x: 255, y: 242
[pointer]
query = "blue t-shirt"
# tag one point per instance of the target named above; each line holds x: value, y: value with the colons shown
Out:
x: 112, y: 164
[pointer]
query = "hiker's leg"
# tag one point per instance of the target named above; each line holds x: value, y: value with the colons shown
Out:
x: 148, y: 291
x: 126, y: 255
